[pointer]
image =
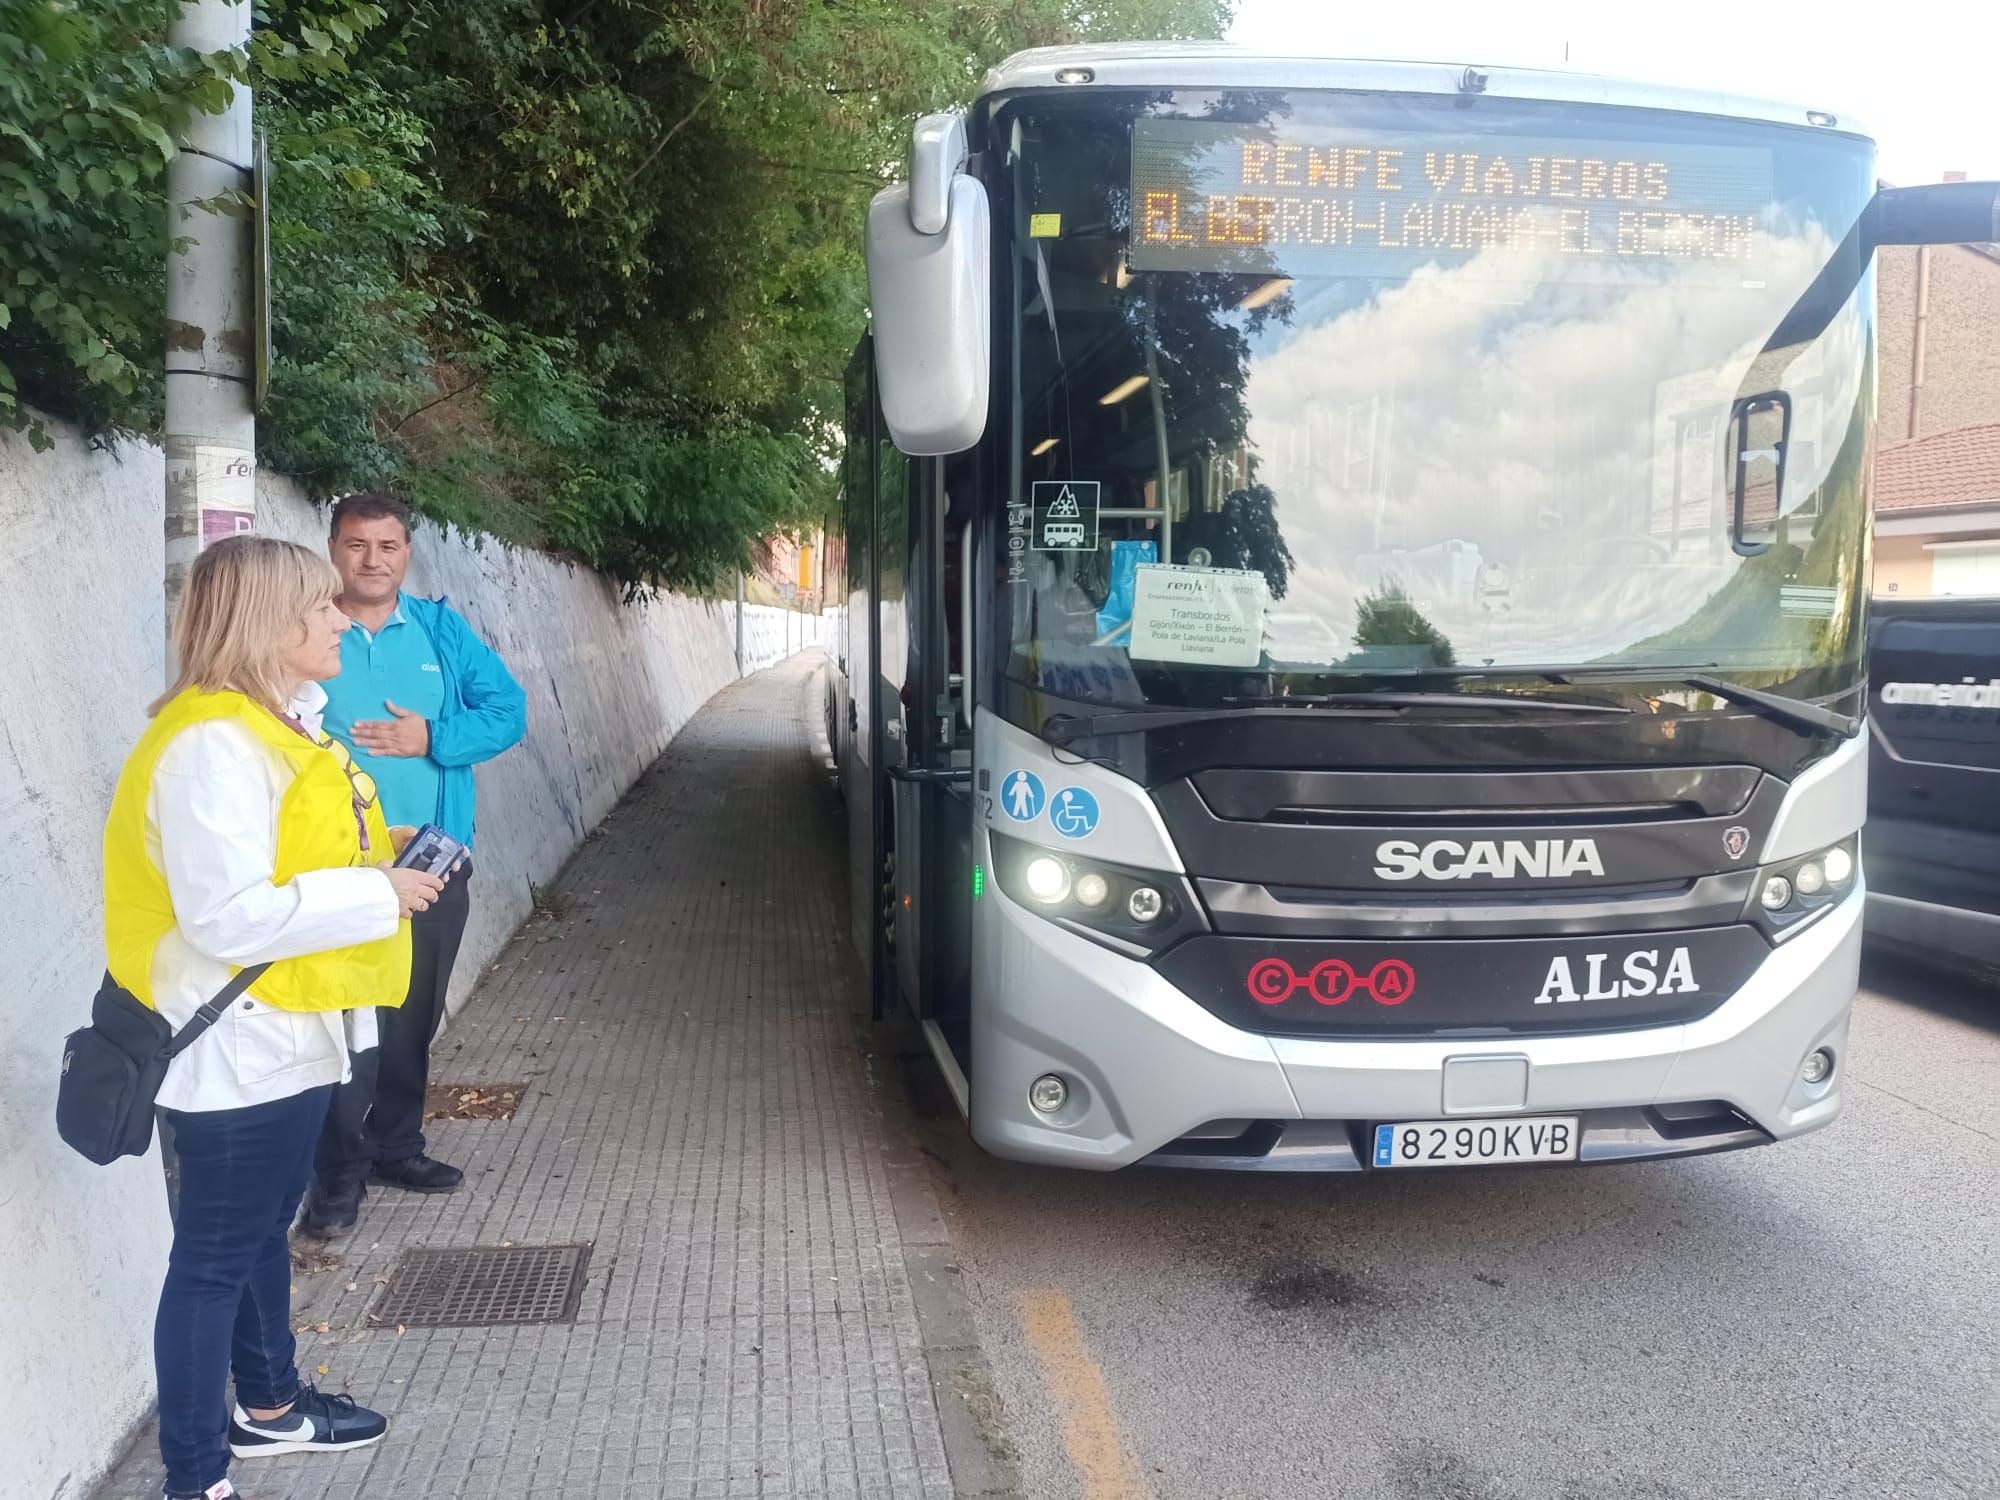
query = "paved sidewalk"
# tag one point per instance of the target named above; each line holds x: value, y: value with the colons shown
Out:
x: 684, y: 1016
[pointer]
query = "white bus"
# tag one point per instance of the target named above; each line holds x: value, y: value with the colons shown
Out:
x: 1355, y: 580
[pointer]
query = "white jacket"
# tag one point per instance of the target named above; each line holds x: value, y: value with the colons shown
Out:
x: 212, y: 830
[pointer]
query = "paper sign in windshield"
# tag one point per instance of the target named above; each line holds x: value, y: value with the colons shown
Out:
x: 1213, y: 616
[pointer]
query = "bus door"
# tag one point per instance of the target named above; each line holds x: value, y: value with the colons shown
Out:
x: 930, y: 761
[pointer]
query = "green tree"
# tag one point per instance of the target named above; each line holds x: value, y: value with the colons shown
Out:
x: 1388, y: 617
x: 583, y: 274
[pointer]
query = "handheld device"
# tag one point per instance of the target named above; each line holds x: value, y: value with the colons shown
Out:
x: 431, y: 850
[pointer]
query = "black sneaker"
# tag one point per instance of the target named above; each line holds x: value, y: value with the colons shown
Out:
x: 418, y: 1174
x: 317, y: 1423
x: 332, y: 1211
x: 222, y: 1489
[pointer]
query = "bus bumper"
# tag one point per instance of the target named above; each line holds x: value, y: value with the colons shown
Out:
x: 1151, y: 1074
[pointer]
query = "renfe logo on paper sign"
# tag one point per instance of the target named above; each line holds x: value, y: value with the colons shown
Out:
x: 1065, y: 515
x: 1209, y: 615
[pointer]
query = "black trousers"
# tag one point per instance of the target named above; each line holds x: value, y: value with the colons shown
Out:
x: 378, y: 1114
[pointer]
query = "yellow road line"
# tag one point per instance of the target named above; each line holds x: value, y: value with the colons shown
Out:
x: 1090, y: 1431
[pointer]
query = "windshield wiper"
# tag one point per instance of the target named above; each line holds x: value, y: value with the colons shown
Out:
x: 1796, y: 713
x: 1061, y: 729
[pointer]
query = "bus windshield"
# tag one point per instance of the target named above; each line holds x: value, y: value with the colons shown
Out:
x: 1311, y: 387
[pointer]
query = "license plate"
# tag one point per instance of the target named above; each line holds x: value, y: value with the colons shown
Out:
x: 1465, y: 1143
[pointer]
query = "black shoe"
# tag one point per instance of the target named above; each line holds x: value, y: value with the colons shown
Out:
x: 418, y: 1174
x: 222, y: 1489
x: 332, y: 1210
x: 316, y: 1424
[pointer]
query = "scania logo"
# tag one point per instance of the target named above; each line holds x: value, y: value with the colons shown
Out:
x: 1447, y: 859
x: 1331, y: 982
x: 1736, y: 841
x: 1638, y: 976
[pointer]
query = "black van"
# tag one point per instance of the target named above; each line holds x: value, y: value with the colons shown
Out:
x: 1932, y: 847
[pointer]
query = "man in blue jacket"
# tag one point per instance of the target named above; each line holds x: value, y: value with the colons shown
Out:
x: 420, y: 700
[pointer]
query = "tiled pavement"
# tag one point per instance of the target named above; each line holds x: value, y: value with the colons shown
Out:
x: 684, y: 1016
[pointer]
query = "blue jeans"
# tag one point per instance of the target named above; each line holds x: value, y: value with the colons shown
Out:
x: 227, y: 1302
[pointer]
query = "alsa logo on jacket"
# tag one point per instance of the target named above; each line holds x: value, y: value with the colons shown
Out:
x: 1447, y: 859
x: 1640, y: 975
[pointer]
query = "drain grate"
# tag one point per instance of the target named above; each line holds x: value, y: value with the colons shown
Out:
x: 483, y: 1286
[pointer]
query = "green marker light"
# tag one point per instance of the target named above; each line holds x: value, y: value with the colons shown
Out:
x: 978, y: 881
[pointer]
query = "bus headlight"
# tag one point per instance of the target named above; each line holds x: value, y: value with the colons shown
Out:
x: 1046, y: 879
x: 1787, y: 894
x: 1136, y: 911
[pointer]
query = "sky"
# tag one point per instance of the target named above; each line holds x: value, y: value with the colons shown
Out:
x: 1926, y: 93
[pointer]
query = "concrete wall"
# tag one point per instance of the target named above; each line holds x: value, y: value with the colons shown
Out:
x: 82, y: 1248
x: 1961, y: 341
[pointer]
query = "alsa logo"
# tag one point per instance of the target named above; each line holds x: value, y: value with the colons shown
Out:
x: 1640, y: 975
x: 1446, y: 859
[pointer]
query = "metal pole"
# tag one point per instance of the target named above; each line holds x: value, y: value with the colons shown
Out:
x: 739, y: 622
x: 211, y: 432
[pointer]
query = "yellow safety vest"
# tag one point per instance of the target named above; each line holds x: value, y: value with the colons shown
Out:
x: 316, y: 831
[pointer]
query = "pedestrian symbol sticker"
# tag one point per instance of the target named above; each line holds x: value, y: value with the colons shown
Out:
x: 1075, y: 813
x: 1065, y: 515
x: 1022, y: 796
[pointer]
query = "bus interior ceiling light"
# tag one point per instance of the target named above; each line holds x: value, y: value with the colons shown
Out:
x: 1123, y: 390
x: 1042, y: 447
x: 1270, y: 291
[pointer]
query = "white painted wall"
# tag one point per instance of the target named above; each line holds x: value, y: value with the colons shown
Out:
x: 82, y: 1248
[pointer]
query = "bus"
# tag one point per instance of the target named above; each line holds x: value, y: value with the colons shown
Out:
x: 1355, y: 578
x: 1933, y: 862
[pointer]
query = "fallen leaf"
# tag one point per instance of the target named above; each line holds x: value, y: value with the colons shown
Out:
x: 322, y: 1369
x: 399, y: 1330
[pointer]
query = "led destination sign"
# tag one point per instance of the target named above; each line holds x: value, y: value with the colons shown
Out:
x: 1215, y: 197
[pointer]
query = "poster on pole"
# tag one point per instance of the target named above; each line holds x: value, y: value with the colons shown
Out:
x: 225, y: 489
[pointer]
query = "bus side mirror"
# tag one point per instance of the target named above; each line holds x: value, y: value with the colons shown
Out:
x: 930, y: 253
x: 1936, y: 213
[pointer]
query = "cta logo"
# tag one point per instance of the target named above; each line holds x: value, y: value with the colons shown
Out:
x: 1640, y: 975
x: 1447, y: 859
x: 1331, y: 982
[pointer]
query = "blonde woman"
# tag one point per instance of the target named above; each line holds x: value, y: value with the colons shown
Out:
x: 240, y: 835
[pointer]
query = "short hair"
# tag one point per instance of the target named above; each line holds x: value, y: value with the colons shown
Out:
x: 369, y: 505
x: 246, y: 598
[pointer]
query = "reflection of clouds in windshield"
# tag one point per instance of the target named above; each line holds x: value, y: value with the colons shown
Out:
x: 1514, y: 462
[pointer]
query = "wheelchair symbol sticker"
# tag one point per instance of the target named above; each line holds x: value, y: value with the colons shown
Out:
x: 1022, y: 796
x: 1075, y: 813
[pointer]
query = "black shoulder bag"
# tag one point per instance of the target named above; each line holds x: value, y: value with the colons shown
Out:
x: 112, y: 1069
